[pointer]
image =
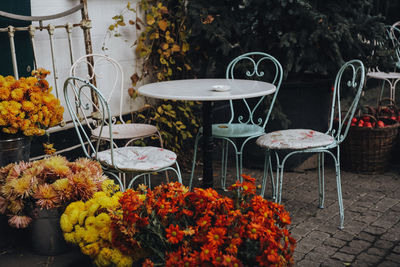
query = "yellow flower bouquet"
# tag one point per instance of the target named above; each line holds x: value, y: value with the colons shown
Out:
x: 27, y: 105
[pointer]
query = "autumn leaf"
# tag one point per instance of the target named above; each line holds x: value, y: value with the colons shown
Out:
x: 175, y: 48
x: 164, y: 46
x: 150, y: 19
x: 131, y: 22
x: 162, y: 24
x: 135, y: 78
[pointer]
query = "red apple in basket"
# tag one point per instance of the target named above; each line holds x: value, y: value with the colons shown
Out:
x: 381, y: 124
x: 393, y: 118
x: 354, y: 120
x: 368, y: 124
x: 365, y: 118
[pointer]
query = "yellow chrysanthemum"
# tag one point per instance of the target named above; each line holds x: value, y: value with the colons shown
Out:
x: 82, y: 217
x: 102, y: 220
x: 28, y: 106
x: 58, y: 165
x: 65, y: 223
x: 90, y: 221
x: 91, y: 249
x: 4, y: 93
x: 125, y: 261
x: 109, y: 187
x: 105, y: 202
x: 60, y: 184
x: 74, y: 216
x: 90, y: 235
x: 17, y: 94
x: 21, y: 186
x: 79, y: 205
x: 93, y: 208
x: 105, y: 233
x: 70, y: 237
x: 104, y: 257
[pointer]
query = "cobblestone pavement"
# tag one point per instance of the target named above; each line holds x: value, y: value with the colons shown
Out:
x: 371, y: 234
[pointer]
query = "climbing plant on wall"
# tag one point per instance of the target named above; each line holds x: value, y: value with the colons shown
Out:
x: 161, y: 47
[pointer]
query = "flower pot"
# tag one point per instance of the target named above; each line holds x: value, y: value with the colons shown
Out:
x: 47, y: 236
x: 14, y: 148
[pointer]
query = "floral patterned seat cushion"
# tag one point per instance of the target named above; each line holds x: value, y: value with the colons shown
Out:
x: 140, y: 159
x: 294, y: 139
x: 126, y: 131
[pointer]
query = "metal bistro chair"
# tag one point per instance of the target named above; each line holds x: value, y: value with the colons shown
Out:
x: 350, y: 77
x: 109, y: 78
x: 247, y: 124
x: 392, y: 78
x: 129, y: 159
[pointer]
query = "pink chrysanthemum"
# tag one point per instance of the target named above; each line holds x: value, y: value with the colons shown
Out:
x: 18, y: 221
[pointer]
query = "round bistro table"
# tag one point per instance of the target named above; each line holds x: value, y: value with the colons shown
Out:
x: 207, y: 91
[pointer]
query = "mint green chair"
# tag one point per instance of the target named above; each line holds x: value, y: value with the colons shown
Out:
x: 349, y: 80
x: 250, y: 122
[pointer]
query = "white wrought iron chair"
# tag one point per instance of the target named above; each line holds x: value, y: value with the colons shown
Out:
x: 107, y: 74
x: 351, y: 77
x: 251, y: 121
x: 391, y: 78
x: 129, y: 159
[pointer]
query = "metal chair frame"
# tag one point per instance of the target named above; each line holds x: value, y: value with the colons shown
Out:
x: 391, y: 78
x: 78, y: 98
x: 356, y: 68
x: 243, y: 125
x: 93, y: 62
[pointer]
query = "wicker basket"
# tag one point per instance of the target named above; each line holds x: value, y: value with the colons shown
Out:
x: 369, y: 150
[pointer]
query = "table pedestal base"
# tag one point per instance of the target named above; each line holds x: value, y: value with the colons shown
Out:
x: 208, y: 146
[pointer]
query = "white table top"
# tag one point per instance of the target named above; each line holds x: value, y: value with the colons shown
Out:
x: 202, y: 89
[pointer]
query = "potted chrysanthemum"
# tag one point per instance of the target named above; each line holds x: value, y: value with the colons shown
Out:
x: 36, y: 193
x: 27, y: 108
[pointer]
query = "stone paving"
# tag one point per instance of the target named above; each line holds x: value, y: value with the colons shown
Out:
x: 371, y: 234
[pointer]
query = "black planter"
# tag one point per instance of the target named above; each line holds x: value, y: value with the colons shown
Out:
x: 307, y: 105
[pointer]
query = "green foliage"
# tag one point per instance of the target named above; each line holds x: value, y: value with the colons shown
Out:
x: 162, y: 46
x: 306, y: 36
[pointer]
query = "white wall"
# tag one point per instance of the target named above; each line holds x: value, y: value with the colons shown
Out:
x: 100, y: 13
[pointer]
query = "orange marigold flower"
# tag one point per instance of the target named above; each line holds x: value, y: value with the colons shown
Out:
x: 147, y: 263
x: 254, y: 230
x: 173, y: 259
x: 174, y: 234
x: 228, y: 260
x: 216, y: 236
x: 248, y: 178
x: 204, y: 221
x: 208, y: 251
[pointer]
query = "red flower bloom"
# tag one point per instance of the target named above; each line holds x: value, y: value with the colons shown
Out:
x: 216, y: 236
x: 174, y: 235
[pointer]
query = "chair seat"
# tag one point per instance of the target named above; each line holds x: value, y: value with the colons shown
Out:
x: 126, y: 131
x: 236, y: 130
x: 138, y: 159
x: 294, y: 139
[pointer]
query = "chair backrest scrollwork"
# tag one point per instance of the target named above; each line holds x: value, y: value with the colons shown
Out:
x: 350, y: 79
x: 257, y: 66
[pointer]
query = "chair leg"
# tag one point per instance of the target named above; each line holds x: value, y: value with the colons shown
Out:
x: 339, y: 190
x: 321, y: 179
x: 279, y: 178
x: 196, y: 142
x: 268, y: 167
x: 224, y: 163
